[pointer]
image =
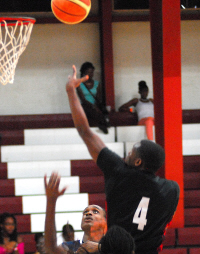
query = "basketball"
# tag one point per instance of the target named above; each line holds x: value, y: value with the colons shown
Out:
x: 70, y: 11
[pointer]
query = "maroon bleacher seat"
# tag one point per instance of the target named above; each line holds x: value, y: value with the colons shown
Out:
x: 23, y: 223
x: 194, y: 250
x: 192, y: 180
x: 97, y: 199
x: 170, y: 237
x: 85, y: 168
x: 189, y: 236
x: 29, y: 240
x: 12, y: 137
x: 3, y: 170
x: 192, y: 198
x: 174, y: 251
x: 11, y: 205
x: 192, y: 216
x: 92, y: 184
x: 191, y: 163
x: 7, y: 187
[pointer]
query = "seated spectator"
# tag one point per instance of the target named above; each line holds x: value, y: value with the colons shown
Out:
x: 144, y: 108
x: 68, y: 237
x: 93, y: 221
x: 90, y: 94
x: 10, y: 241
x: 68, y: 232
x: 39, y: 240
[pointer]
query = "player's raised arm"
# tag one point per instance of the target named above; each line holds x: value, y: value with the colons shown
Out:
x: 92, y: 141
x: 52, y: 194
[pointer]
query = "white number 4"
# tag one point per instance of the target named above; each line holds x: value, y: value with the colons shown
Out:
x: 141, y: 213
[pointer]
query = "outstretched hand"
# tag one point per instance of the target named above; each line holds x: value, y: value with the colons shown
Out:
x: 73, y: 81
x: 52, y: 187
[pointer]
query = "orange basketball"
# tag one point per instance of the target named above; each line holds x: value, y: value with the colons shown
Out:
x: 70, y: 11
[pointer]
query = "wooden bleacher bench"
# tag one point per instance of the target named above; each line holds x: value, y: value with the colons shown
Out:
x: 54, y: 136
x: 21, y: 122
x: 29, y: 169
x: 13, y: 173
x: 23, y: 153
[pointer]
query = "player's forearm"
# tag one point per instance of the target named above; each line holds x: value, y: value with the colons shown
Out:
x: 50, y: 229
x: 78, y: 114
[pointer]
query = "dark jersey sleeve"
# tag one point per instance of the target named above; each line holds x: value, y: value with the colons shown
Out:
x: 109, y: 162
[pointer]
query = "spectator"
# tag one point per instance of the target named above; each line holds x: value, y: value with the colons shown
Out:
x: 68, y: 237
x: 39, y: 240
x: 68, y: 232
x: 144, y: 108
x: 10, y: 241
x: 90, y: 94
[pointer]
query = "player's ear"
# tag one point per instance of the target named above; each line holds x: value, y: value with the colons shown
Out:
x: 138, y: 162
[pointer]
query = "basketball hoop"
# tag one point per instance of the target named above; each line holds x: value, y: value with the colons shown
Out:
x: 14, y: 37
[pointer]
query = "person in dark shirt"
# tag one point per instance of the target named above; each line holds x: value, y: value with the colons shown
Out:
x: 137, y: 200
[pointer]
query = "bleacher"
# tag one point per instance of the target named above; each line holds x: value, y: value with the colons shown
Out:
x: 32, y: 147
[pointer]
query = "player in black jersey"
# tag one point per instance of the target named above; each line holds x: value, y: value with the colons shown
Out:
x: 137, y: 199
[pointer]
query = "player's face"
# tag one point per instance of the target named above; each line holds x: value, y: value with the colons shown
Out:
x: 93, y: 217
x: 132, y: 156
x: 9, y: 225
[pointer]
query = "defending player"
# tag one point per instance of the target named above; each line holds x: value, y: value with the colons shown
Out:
x: 137, y: 200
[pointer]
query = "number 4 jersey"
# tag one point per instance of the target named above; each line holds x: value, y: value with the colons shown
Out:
x: 138, y: 201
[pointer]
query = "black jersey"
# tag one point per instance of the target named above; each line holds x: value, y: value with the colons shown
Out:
x: 138, y: 201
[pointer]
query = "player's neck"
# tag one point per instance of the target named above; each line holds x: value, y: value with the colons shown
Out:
x: 94, y: 236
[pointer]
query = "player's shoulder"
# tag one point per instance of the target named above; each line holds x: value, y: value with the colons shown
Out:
x: 167, y: 184
x: 172, y: 184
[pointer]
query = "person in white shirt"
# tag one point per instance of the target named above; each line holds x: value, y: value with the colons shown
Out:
x: 144, y: 108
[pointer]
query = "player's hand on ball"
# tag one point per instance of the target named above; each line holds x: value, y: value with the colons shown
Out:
x: 90, y: 246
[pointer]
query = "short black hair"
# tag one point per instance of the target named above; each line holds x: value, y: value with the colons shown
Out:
x: 117, y: 241
x: 142, y: 85
x: 152, y: 155
x: 67, y: 227
x: 85, y: 66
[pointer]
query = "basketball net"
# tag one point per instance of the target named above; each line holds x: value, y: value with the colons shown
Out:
x: 14, y: 37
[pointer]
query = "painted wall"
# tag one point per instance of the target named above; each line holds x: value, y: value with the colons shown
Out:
x: 43, y: 68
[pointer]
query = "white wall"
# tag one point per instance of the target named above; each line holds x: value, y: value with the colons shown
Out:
x: 190, y: 36
x: 132, y: 61
x: 43, y: 68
